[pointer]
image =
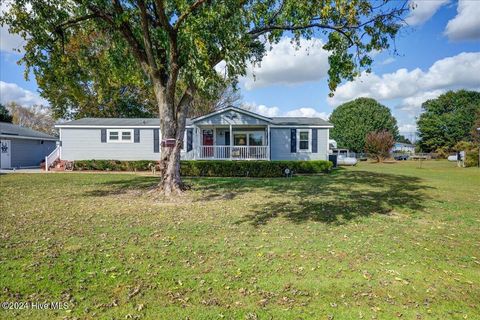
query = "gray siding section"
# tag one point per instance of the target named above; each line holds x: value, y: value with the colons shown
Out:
x: 280, y: 145
x: 30, y: 153
x: 231, y: 117
x: 85, y: 144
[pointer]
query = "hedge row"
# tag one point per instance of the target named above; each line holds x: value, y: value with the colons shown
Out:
x: 215, y: 168
x: 113, y: 165
x: 251, y: 168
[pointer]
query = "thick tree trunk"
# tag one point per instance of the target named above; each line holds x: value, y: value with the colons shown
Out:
x: 172, y: 126
x: 170, y: 180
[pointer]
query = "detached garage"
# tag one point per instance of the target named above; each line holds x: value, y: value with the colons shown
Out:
x: 23, y: 147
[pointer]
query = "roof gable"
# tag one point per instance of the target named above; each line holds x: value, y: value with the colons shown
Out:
x: 231, y: 115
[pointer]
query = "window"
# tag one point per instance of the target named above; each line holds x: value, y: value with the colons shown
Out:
x: 240, y: 139
x: 304, y: 140
x: 120, y: 136
x: 255, y: 138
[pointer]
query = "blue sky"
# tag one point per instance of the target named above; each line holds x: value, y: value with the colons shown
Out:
x: 439, y: 51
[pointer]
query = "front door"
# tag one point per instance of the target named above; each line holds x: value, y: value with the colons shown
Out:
x: 5, y: 154
x: 207, y: 150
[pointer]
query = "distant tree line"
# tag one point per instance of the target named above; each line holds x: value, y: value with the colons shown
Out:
x: 446, y: 123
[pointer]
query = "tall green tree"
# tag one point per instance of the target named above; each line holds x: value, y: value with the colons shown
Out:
x: 448, y: 119
x: 353, y: 120
x: 181, y: 41
x: 5, y: 116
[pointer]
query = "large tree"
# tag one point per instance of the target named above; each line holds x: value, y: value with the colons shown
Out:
x: 181, y: 41
x: 448, y: 119
x: 353, y: 120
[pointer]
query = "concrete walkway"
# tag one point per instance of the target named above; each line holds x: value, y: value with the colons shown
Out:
x: 35, y: 170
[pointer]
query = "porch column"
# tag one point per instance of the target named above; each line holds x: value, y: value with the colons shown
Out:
x: 231, y: 142
x: 268, y: 142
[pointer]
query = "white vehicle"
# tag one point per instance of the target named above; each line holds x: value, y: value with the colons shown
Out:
x: 346, y: 161
x: 452, y: 158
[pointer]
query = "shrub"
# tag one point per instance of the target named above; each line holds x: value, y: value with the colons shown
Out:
x: 379, y: 144
x: 251, y: 168
x: 113, y: 165
x: 214, y: 168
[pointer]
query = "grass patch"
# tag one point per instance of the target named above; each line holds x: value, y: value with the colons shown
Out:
x: 375, y: 240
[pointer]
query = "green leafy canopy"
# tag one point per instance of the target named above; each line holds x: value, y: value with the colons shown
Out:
x: 353, y: 120
x: 88, y: 54
x: 448, y: 119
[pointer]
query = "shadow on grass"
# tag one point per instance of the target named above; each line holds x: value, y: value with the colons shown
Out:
x: 116, y: 187
x: 329, y: 198
x: 342, y: 197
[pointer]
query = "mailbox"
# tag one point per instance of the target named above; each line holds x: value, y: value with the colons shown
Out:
x: 168, y: 143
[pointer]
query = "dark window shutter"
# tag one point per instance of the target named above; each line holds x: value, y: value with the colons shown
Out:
x: 293, y: 140
x: 136, y: 135
x: 314, y: 140
x: 103, y: 135
x: 156, y: 141
x: 227, y: 138
x: 189, y: 139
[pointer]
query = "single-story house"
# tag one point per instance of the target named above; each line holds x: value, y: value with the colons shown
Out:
x: 23, y: 147
x: 403, y: 147
x: 228, y: 134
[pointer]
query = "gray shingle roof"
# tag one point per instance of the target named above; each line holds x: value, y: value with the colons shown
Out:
x: 120, y: 122
x: 300, y: 121
x: 13, y: 130
x: 148, y: 122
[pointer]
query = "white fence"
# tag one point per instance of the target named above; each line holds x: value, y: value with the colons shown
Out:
x: 233, y: 152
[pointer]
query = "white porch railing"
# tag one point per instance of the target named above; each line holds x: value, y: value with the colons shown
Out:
x: 233, y: 152
x: 52, y: 157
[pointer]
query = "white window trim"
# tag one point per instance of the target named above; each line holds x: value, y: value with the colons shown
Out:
x: 120, y: 131
x: 248, y: 138
x: 309, y: 140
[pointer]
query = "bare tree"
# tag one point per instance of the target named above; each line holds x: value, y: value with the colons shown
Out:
x: 379, y: 144
x: 36, y: 117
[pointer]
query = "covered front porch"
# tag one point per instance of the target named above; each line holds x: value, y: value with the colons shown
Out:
x: 232, y: 142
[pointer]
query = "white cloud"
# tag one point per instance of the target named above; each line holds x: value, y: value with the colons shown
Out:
x: 407, y: 128
x: 306, y: 112
x: 9, y: 41
x: 275, y: 111
x: 12, y: 92
x: 422, y: 11
x: 414, y: 103
x: 460, y: 71
x: 262, y: 109
x: 466, y: 24
x: 285, y: 64
x: 388, y: 60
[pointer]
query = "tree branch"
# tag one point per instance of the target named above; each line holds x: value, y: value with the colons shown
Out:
x: 164, y: 21
x: 72, y: 22
x: 146, y: 35
x: 126, y: 31
x: 255, y: 33
x: 189, y: 11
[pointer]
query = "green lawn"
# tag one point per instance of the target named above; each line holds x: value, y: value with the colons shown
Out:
x: 374, y: 241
